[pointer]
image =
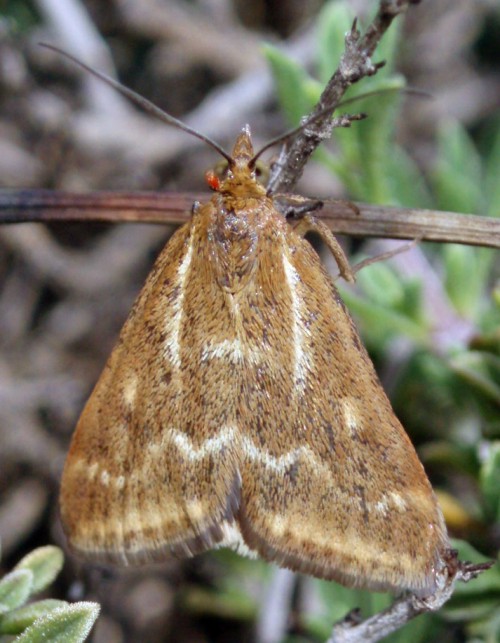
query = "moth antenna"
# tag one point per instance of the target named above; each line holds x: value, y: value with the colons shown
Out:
x: 142, y: 102
x: 289, y: 133
x: 413, y: 91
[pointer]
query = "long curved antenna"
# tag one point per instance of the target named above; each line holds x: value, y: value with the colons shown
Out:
x: 143, y: 103
x: 288, y: 134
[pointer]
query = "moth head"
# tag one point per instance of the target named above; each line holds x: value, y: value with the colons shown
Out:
x: 242, y: 168
x: 243, y: 149
x: 242, y: 163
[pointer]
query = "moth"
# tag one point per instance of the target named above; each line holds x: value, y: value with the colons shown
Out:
x: 240, y: 409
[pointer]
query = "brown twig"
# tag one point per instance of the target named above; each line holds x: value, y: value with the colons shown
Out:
x: 352, y: 630
x: 354, y: 65
x: 41, y: 206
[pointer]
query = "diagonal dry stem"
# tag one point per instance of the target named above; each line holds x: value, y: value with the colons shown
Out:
x: 354, y: 65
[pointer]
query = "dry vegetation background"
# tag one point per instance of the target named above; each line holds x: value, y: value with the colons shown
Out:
x: 65, y: 289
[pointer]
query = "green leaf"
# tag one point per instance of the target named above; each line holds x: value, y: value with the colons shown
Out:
x: 297, y: 91
x: 423, y: 629
x: 464, y: 279
x: 457, y: 457
x: 15, y: 588
x: 381, y: 284
x: 20, y: 18
x: 366, y: 147
x: 339, y: 600
x: 492, y: 184
x: 68, y: 624
x: 376, y: 141
x: 406, y: 182
x: 489, y: 479
x: 16, y: 621
x: 378, y: 321
x: 45, y: 563
x: 334, y: 21
x: 486, y: 630
x: 471, y: 610
x: 233, y: 603
x: 487, y: 583
x: 457, y: 177
x: 479, y: 368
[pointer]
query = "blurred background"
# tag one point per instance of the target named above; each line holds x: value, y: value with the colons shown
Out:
x: 431, y: 317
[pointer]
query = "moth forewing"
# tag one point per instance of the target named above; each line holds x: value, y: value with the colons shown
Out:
x: 141, y: 481
x: 240, y: 408
x: 338, y: 490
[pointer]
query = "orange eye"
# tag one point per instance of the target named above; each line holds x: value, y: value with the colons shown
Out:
x: 217, y: 174
x: 212, y: 179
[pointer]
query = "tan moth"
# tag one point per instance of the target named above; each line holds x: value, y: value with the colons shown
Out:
x: 240, y: 408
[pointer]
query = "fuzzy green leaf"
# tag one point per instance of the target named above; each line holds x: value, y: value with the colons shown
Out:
x: 16, y: 621
x: 45, y: 563
x: 15, y: 588
x: 67, y: 624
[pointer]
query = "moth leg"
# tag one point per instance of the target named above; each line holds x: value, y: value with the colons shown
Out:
x: 308, y: 223
x: 293, y: 206
x: 347, y: 204
x: 404, y: 247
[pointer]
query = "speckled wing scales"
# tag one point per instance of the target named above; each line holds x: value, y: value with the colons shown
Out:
x: 144, y: 478
x: 240, y: 408
x: 332, y: 485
